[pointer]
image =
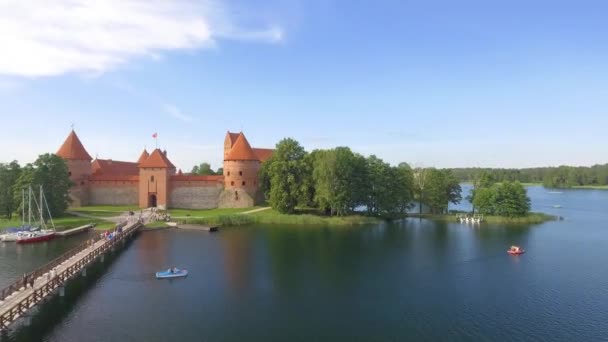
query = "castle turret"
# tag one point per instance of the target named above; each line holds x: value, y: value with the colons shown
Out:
x: 241, y: 166
x: 78, y: 161
x: 154, y: 179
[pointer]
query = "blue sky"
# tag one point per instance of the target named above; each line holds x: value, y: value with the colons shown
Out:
x: 432, y: 83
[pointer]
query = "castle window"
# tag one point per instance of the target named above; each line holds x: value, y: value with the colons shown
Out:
x: 69, y: 174
x: 228, y: 173
x: 240, y: 173
x: 232, y: 183
x: 243, y: 182
x: 152, y: 179
x: 81, y: 183
x: 255, y: 182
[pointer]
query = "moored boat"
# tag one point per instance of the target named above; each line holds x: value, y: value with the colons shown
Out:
x: 34, y: 237
x: 516, y: 250
x: 171, y: 273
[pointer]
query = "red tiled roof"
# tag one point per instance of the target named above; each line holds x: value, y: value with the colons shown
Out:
x: 72, y: 149
x: 107, y: 167
x: 241, y: 150
x: 144, y: 156
x: 183, y: 177
x: 263, y: 153
x: 157, y: 159
x: 233, y: 137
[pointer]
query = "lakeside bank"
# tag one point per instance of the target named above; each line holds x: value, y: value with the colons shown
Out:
x: 531, y: 218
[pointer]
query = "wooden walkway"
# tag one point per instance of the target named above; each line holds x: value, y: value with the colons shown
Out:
x: 76, y: 230
x: 17, y: 298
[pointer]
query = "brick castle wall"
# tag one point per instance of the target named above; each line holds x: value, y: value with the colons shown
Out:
x: 195, y: 194
x: 113, y: 193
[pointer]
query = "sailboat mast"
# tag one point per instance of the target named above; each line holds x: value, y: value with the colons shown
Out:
x: 22, y: 207
x: 41, y: 216
x: 29, y: 206
x: 48, y: 210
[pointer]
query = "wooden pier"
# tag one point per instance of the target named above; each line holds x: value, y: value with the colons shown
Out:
x: 17, y: 298
x: 198, y: 227
x: 74, y: 231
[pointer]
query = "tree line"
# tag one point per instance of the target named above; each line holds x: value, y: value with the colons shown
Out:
x: 48, y: 170
x: 551, y: 177
x: 340, y: 182
x: 205, y: 169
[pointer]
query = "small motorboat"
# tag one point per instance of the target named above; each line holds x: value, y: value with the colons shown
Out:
x: 172, y: 273
x: 515, y: 250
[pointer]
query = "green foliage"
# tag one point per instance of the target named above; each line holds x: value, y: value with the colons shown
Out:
x: 287, y: 172
x: 507, y: 199
x: 336, y: 181
x: 51, y: 172
x: 441, y: 189
x: 205, y: 169
x: 274, y: 217
x: 9, y: 174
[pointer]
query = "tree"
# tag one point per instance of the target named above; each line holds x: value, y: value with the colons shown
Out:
x: 203, y: 169
x: 287, y: 173
x: 9, y: 174
x: 508, y: 199
x: 420, y: 180
x: 403, y: 187
x: 442, y: 189
x: 51, y: 172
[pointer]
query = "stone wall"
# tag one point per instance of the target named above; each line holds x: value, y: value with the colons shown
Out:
x: 195, y: 195
x: 113, y: 193
x: 231, y: 198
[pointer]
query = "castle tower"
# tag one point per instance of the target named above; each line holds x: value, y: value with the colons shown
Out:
x: 78, y: 161
x: 241, y: 166
x: 155, y: 172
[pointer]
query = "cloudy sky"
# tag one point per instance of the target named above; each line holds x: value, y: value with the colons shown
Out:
x: 442, y: 83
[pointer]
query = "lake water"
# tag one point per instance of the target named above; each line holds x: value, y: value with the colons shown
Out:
x: 415, y: 280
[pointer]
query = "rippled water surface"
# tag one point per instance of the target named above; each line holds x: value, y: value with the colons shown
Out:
x: 412, y: 280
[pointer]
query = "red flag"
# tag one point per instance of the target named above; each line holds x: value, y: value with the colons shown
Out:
x: 155, y: 135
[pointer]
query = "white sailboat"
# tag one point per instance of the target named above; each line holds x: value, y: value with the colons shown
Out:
x: 47, y: 233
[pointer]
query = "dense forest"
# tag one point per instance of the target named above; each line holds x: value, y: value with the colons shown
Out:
x: 551, y: 177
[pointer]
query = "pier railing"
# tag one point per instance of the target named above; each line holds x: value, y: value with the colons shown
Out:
x: 31, y: 276
x: 56, y: 280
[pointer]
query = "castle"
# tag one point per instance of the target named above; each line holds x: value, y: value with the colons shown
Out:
x: 153, y: 181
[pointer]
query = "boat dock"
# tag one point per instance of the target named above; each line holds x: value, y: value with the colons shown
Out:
x: 17, y: 298
x: 74, y: 231
x: 198, y: 227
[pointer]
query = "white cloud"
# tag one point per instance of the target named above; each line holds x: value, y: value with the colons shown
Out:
x: 45, y: 38
x: 176, y: 113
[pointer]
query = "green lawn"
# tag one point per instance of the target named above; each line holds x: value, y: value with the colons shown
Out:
x: 102, y: 211
x: 188, y: 213
x: 63, y: 223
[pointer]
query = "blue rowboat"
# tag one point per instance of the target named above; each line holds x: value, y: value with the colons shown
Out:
x: 177, y: 273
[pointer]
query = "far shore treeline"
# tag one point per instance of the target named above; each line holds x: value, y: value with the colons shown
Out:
x: 550, y: 177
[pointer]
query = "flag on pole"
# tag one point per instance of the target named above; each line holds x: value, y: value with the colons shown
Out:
x: 155, y: 135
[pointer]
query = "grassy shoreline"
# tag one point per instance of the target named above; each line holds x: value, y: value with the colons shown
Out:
x: 273, y: 217
x: 532, y: 218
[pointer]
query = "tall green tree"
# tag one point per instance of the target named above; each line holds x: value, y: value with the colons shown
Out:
x: 9, y: 174
x: 51, y: 172
x: 443, y: 188
x: 403, y: 187
x: 287, y: 172
x: 203, y: 169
